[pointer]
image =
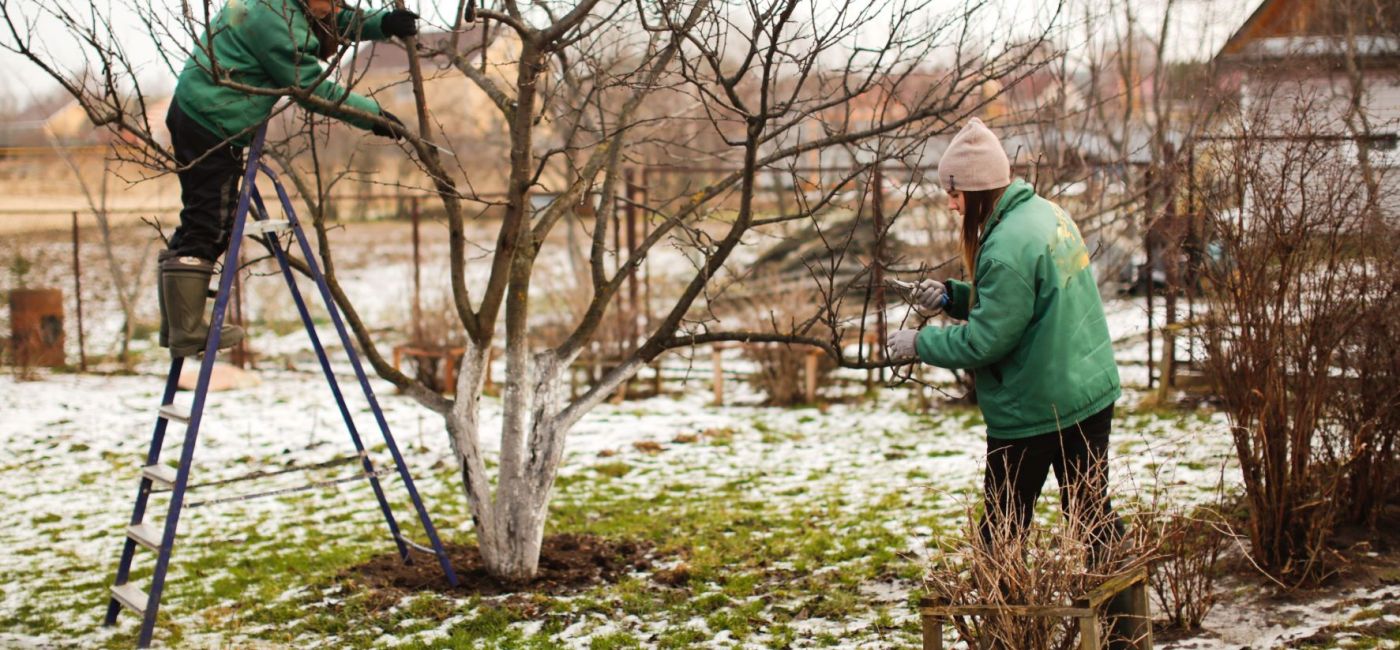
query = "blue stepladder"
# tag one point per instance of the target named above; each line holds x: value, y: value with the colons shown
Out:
x: 158, y: 477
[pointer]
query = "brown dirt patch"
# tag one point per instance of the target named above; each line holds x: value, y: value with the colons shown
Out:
x: 568, y: 563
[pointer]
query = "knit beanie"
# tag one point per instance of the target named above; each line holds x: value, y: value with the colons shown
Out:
x: 974, y: 160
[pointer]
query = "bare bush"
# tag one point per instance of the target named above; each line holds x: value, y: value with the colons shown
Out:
x: 1189, y: 545
x: 1050, y: 565
x: 437, y: 330
x: 781, y: 368
x: 1369, y: 411
x: 1294, y: 300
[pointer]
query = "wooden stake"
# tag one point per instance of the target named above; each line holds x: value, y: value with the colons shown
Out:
x: 811, y: 370
x: 718, y: 377
x: 417, y: 281
x: 78, y: 297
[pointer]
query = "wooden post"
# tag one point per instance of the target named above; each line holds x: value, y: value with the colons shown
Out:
x: 1130, y: 618
x: 1147, y: 244
x: 811, y: 375
x: 1089, y: 633
x: 717, y: 379
x: 449, y: 370
x: 641, y: 199
x: 1142, y: 608
x: 879, y: 261
x: 1166, y: 374
x: 490, y: 359
x: 619, y: 311
x: 78, y: 297
x: 869, y: 374
x: 417, y: 279
x: 239, y: 354
x: 632, y: 295
x: 933, y: 633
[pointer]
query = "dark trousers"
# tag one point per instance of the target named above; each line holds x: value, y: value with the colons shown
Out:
x: 208, y: 188
x: 1016, y: 470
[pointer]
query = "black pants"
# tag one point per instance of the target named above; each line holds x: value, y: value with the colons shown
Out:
x: 1016, y: 470
x: 208, y: 188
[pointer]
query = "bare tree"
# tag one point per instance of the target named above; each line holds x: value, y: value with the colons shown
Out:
x: 593, y: 88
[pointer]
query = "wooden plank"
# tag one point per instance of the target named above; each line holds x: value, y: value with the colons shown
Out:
x: 131, y: 596
x: 1110, y: 588
x: 146, y: 535
x: 175, y: 413
x: 1040, y: 611
x: 160, y: 475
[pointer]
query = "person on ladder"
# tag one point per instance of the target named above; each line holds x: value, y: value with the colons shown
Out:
x: 268, y: 44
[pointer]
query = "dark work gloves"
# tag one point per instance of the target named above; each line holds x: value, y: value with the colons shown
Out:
x: 401, y: 23
x: 381, y: 130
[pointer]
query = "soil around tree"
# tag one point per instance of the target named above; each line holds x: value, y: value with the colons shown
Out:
x: 568, y: 563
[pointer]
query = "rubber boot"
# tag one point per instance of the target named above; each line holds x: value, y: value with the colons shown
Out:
x: 161, y: 257
x: 185, y: 290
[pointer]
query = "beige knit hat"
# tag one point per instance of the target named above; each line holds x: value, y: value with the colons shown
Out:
x: 974, y: 160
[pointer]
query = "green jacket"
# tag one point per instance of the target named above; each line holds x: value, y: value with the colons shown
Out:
x: 267, y: 44
x: 1035, y: 335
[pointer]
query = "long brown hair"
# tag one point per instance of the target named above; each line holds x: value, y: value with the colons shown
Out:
x: 979, y: 206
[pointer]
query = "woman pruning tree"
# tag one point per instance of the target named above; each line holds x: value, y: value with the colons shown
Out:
x: 1035, y: 338
x: 269, y: 45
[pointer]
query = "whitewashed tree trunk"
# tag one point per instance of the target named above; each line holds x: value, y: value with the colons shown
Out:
x: 510, y: 520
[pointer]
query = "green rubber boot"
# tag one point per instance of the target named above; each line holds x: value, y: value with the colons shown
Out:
x: 184, y: 288
x: 161, y: 257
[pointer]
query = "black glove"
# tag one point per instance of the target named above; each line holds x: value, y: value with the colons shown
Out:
x: 399, y: 22
x: 382, y: 130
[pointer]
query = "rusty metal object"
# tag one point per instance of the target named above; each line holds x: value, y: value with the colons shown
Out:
x: 36, y: 326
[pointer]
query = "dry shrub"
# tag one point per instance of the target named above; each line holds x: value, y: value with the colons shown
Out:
x: 1188, y: 546
x: 781, y: 371
x: 780, y: 368
x: 568, y: 297
x: 1369, y: 412
x: 437, y: 328
x: 1300, y: 339
x: 1050, y: 564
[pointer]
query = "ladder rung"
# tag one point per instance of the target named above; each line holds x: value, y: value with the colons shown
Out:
x: 131, y: 596
x: 160, y: 475
x: 145, y: 535
x: 254, y: 227
x: 174, y: 412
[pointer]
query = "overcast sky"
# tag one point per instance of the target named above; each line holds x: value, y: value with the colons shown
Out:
x: 1200, y: 27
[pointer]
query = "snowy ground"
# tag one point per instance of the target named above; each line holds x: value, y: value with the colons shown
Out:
x: 75, y: 442
x: 800, y: 527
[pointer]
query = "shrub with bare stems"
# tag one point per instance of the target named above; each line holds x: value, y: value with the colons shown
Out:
x: 1007, y: 568
x: 781, y: 368
x: 1189, y: 543
x: 1298, y: 334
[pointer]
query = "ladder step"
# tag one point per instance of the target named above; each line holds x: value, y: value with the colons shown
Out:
x: 131, y: 597
x: 146, y: 535
x: 278, y: 226
x: 160, y: 475
x: 176, y: 413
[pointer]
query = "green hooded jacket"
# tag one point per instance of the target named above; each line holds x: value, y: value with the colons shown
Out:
x: 1035, y: 337
x: 267, y: 44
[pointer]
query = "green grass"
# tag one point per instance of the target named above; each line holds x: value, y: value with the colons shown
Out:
x: 761, y: 561
x: 753, y: 573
